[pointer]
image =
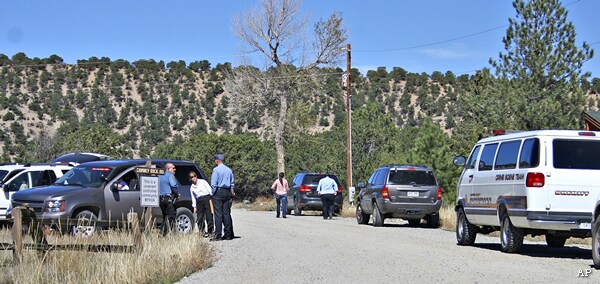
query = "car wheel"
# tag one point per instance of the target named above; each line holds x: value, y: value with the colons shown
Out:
x: 377, y: 217
x: 555, y: 241
x: 85, y: 226
x: 511, y: 238
x: 361, y: 217
x: 184, y: 220
x: 465, y: 231
x: 433, y: 221
x: 414, y: 222
x: 596, y: 243
x: 297, y: 210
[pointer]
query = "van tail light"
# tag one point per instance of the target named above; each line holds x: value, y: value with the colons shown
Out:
x: 304, y: 188
x: 535, y: 180
x: 384, y: 192
x: 439, y: 194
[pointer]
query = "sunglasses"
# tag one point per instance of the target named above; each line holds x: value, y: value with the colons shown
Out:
x: 191, y: 177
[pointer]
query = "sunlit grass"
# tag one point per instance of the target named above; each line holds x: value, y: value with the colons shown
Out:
x: 163, y: 260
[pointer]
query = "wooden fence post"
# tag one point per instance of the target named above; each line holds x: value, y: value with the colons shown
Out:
x: 148, y: 222
x: 134, y: 224
x: 17, y: 235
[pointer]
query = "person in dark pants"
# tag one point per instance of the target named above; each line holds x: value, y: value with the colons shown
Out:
x: 202, y: 203
x: 222, y: 190
x: 168, y: 194
x: 327, y: 189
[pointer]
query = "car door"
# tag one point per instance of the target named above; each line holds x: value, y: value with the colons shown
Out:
x: 120, y: 202
x: 366, y: 194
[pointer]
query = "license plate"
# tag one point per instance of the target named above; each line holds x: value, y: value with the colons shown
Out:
x: 413, y: 193
x: 585, y: 225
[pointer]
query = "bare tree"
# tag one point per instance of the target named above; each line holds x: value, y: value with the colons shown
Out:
x: 275, y: 29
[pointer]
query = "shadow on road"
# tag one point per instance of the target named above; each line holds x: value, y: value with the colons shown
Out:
x: 542, y: 250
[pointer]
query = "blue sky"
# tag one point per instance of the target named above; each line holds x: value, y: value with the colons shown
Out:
x: 419, y: 36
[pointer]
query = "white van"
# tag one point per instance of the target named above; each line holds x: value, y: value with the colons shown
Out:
x: 544, y: 182
x: 16, y: 177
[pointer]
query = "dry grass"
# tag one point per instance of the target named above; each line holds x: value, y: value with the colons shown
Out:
x: 163, y: 260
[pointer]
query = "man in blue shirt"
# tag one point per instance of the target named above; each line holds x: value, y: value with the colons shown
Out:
x: 327, y: 189
x: 222, y: 183
x: 168, y: 194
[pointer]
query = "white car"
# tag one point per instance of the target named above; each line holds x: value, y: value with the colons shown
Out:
x: 17, y: 177
x: 542, y: 182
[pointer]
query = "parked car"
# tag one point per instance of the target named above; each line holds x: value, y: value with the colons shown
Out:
x: 78, y: 158
x: 409, y: 192
x: 18, y: 177
x: 303, y: 193
x: 89, y: 192
x: 541, y: 182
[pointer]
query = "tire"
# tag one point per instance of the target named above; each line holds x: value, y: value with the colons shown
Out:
x: 465, y: 231
x: 554, y: 241
x: 184, y: 221
x: 377, y: 217
x: 596, y: 243
x: 414, y: 222
x: 511, y: 238
x: 361, y: 217
x: 85, y: 228
x: 297, y: 210
x: 433, y: 221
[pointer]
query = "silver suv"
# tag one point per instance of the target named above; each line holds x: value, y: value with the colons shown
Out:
x: 410, y: 192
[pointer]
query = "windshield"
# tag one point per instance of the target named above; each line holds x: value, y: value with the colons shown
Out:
x: 86, y: 176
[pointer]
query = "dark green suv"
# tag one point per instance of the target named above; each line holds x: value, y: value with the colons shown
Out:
x: 303, y: 193
x: 409, y: 192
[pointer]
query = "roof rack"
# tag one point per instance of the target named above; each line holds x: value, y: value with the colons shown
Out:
x: 405, y: 166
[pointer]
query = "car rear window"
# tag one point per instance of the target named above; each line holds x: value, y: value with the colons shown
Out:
x: 314, y: 179
x: 576, y: 154
x: 405, y: 177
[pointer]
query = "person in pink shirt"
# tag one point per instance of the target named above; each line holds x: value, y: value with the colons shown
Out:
x: 281, y: 188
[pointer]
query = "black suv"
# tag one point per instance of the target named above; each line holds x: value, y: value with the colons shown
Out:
x: 303, y: 193
x: 89, y: 191
x: 410, y: 192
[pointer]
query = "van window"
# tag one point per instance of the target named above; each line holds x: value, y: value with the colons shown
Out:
x: 576, y: 154
x: 507, y: 155
x: 487, y: 157
x: 471, y: 163
x: 530, y: 154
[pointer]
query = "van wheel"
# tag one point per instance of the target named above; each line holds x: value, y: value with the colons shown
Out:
x: 297, y: 210
x: 361, y: 217
x: 511, y: 238
x: 465, y: 231
x: 433, y: 221
x: 377, y: 218
x: 184, y: 220
x: 596, y: 243
x: 85, y: 226
x: 554, y: 241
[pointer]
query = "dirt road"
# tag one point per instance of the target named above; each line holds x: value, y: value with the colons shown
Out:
x: 308, y: 249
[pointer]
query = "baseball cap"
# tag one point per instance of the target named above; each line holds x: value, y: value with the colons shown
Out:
x: 219, y: 157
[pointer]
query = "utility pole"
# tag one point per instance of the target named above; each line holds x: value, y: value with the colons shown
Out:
x: 349, y: 124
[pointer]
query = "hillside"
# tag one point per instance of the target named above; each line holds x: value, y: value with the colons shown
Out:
x: 150, y: 102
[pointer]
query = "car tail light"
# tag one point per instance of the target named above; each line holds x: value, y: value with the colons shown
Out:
x: 439, y: 194
x: 384, y: 192
x: 535, y: 180
x: 304, y: 188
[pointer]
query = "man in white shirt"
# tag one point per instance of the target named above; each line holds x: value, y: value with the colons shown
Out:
x: 201, y: 193
x: 327, y: 189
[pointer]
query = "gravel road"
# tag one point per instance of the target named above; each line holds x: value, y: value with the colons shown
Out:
x: 308, y: 249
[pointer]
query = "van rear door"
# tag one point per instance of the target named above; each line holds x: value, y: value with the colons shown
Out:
x: 572, y: 184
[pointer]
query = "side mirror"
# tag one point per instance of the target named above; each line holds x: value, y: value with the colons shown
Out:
x: 459, y: 161
x: 114, y: 187
x: 360, y: 184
